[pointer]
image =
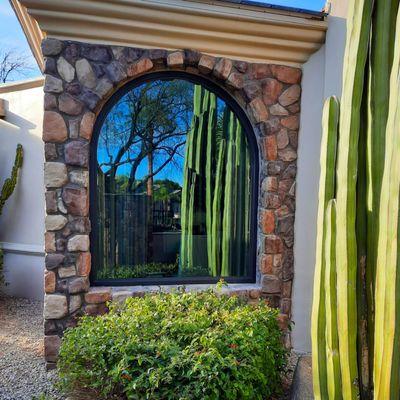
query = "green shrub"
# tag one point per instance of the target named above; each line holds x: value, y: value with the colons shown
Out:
x: 176, y: 346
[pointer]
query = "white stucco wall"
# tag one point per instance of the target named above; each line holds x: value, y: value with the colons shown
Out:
x: 322, y: 77
x: 22, y: 221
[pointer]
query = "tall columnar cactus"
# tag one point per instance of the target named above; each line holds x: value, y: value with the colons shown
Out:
x: 215, y: 190
x: 7, y: 190
x: 367, y: 198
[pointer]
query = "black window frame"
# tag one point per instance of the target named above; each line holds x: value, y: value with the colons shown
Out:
x: 254, y: 176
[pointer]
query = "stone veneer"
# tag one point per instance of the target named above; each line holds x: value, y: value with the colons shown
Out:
x: 79, y: 79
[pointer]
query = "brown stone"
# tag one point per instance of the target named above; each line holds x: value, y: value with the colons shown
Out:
x: 286, y: 74
x: 77, y: 153
x: 86, y: 127
x: 69, y: 105
x: 223, y: 68
x: 79, y: 177
x: 259, y: 110
x: 282, y: 139
x: 76, y: 201
x: 287, y: 154
x: 267, y: 264
x: 294, y: 108
x: 50, y: 102
x: 54, y: 128
x: 75, y: 303
x: 78, y: 243
x: 139, y: 67
x: 290, y: 95
x: 51, y: 347
x: 259, y: 71
x: 270, y: 148
x: 291, y: 122
x: 287, y: 289
x: 78, y: 285
x: 271, y: 90
x: 272, y: 201
x: 271, y: 284
x: 50, y: 152
x: 277, y: 260
x: 97, y: 296
x: 270, y: 127
x: 49, y: 282
x: 96, y: 309
x: 277, y: 109
x: 80, y: 225
x: 283, y: 321
x: 83, y: 264
x: 285, y: 306
x: 273, y: 244
x: 255, y: 293
x: 270, y: 184
x: 235, y: 80
x: 192, y: 57
x: 267, y: 221
x: 175, y: 59
x: 252, y: 90
x: 206, y: 64
x: 51, y: 201
x: 49, y: 242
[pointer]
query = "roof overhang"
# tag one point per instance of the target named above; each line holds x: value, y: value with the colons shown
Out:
x: 236, y: 30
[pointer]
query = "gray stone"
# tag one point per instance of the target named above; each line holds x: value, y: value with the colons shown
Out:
x: 54, y: 260
x: 85, y: 73
x: 96, y: 53
x: 49, y: 65
x: 55, y: 306
x: 121, y: 296
x: 75, y: 303
x: 74, y: 128
x: 61, y: 206
x: 89, y: 98
x: 78, y: 285
x: 115, y: 72
x: 51, y: 47
x: 55, y: 222
x: 79, y: 177
x: 103, y: 87
x: 52, y: 84
x: 69, y: 105
x: 79, y: 243
x: 77, y: 153
x: 302, y: 388
x: 65, y: 69
x: 55, y: 174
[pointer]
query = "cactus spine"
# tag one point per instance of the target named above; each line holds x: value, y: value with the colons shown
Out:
x: 7, y: 190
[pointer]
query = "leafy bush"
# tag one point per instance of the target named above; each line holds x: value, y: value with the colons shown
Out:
x: 176, y: 346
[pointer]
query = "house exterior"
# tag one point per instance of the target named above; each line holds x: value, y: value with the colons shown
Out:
x: 269, y: 67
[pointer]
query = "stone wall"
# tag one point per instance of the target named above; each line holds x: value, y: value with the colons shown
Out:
x: 79, y: 79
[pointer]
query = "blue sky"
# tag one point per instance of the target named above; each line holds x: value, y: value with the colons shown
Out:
x: 12, y: 37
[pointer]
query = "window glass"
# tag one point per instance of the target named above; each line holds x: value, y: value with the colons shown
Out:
x: 173, y: 196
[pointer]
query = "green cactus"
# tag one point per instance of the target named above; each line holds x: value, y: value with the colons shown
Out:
x: 7, y: 190
x: 326, y: 193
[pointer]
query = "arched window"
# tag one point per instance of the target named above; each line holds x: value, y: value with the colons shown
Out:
x: 173, y: 185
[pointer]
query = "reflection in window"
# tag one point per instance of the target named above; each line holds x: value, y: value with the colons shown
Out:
x: 173, y: 193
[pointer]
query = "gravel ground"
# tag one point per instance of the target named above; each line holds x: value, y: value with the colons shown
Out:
x: 22, y: 368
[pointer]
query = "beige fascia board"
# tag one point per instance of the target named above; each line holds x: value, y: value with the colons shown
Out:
x: 214, y: 27
x: 31, y: 29
x: 21, y: 85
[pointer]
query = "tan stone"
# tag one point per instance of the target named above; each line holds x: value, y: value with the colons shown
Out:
x: 55, y: 306
x: 78, y: 243
x: 49, y: 242
x: 98, y: 295
x: 270, y: 184
x: 291, y: 122
x: 271, y: 89
x: 52, y: 84
x: 277, y: 109
x: 270, y: 148
x: 55, y: 174
x: 139, y: 67
x: 78, y: 285
x: 51, y: 347
x: 287, y: 154
x: 206, y: 64
x: 286, y: 74
x: 49, y: 282
x: 86, y: 128
x: 267, y: 221
x: 65, y: 69
x: 75, y: 303
x: 121, y: 296
x: 259, y: 110
x: 83, y: 264
x: 67, y: 272
x: 282, y: 139
x: 85, y: 73
x: 79, y: 177
x: 223, y: 68
x: 55, y: 222
x: 54, y: 127
x: 290, y: 95
x: 175, y: 59
x: 255, y: 293
x: 235, y: 80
